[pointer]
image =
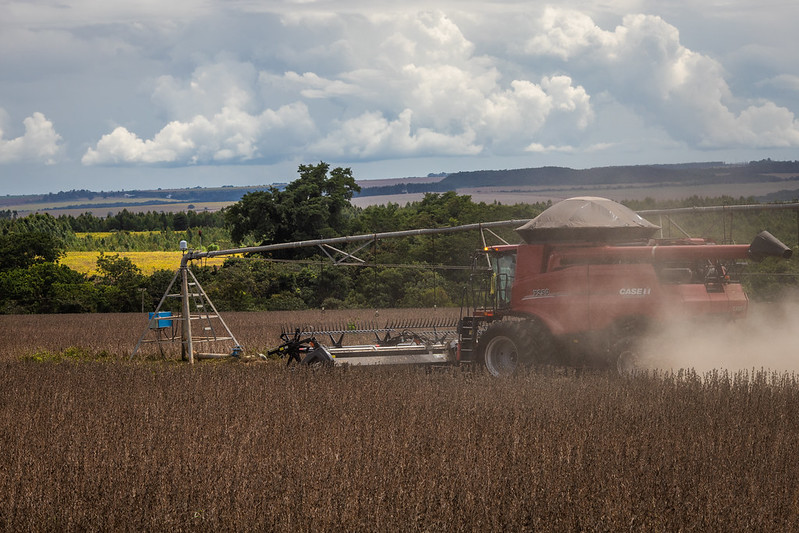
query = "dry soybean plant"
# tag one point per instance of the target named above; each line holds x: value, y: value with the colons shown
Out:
x: 234, y: 446
x: 106, y: 444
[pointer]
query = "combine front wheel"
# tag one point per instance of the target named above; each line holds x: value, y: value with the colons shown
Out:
x: 629, y: 359
x: 505, y: 347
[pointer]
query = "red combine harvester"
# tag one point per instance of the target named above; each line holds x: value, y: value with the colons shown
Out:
x: 582, y: 289
x: 589, y: 280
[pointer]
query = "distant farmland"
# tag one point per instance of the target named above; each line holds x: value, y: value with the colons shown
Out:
x: 100, y: 209
x: 504, y: 195
x: 617, y: 183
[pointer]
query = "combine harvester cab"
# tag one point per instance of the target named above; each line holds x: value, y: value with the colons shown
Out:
x: 589, y: 280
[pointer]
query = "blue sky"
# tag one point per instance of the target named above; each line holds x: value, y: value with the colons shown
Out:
x: 129, y: 95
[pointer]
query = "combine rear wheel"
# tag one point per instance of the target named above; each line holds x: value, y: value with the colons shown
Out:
x: 506, y: 347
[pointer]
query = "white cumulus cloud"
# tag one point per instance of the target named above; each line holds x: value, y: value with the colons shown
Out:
x: 371, y: 135
x: 372, y: 84
x: 39, y: 143
x: 219, y: 118
x: 433, y: 92
x: 643, y: 64
x: 318, y: 87
x: 404, y: 86
x: 784, y: 81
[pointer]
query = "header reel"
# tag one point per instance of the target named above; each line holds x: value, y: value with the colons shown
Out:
x: 423, y: 341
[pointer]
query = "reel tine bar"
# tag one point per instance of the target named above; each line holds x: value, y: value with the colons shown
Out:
x: 433, y: 330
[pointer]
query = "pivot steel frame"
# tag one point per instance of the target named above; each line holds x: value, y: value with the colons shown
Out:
x: 190, y: 291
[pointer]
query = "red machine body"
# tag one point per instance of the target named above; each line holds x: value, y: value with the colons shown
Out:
x: 574, y: 289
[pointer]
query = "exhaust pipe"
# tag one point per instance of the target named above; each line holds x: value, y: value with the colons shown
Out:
x: 767, y: 245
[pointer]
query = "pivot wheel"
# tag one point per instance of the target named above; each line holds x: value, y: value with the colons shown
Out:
x: 506, y: 347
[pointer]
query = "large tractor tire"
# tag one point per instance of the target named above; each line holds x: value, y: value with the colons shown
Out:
x: 628, y: 358
x: 506, y: 347
x: 627, y: 349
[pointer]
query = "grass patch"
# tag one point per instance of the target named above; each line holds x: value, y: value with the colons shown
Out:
x: 72, y: 354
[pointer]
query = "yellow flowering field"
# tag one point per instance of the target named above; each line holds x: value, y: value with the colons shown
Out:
x: 105, y: 234
x: 148, y: 262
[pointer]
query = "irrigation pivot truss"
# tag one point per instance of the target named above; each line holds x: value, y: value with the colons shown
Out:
x: 368, y: 238
x: 199, y: 324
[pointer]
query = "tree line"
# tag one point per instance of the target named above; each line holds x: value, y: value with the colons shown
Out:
x: 149, y: 221
x: 410, y: 272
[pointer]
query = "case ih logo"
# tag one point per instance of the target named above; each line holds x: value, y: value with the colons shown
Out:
x: 637, y: 291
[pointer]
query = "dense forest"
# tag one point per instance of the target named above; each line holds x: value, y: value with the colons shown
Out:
x: 410, y: 272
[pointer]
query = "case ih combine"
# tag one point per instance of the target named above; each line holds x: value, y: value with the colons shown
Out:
x: 588, y: 282
x: 585, y: 284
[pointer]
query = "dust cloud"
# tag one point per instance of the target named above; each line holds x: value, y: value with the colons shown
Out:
x: 768, y: 339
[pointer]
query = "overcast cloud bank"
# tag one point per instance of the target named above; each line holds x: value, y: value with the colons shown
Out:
x: 266, y: 86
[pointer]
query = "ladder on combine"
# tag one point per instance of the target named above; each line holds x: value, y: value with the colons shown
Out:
x: 199, y: 328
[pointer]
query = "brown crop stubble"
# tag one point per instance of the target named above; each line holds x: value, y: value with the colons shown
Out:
x: 152, y: 447
x: 118, y: 333
x: 148, y: 446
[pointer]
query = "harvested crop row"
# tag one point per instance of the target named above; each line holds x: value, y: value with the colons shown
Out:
x: 151, y: 447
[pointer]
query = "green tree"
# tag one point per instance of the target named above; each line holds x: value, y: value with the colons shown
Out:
x: 316, y: 205
x: 45, y: 288
x: 119, y: 281
x: 37, y: 238
x: 381, y: 287
x: 21, y: 250
x: 180, y: 221
x: 58, y: 229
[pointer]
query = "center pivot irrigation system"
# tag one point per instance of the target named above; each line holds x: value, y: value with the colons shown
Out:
x: 587, y: 282
x: 201, y: 324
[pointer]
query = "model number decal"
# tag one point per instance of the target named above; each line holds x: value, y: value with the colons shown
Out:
x: 539, y: 293
x: 635, y: 291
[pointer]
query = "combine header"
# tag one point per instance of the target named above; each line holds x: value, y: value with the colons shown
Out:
x: 587, y: 282
x: 421, y: 342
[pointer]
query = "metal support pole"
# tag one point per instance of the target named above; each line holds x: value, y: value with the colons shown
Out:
x: 154, y: 319
x: 184, y: 296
